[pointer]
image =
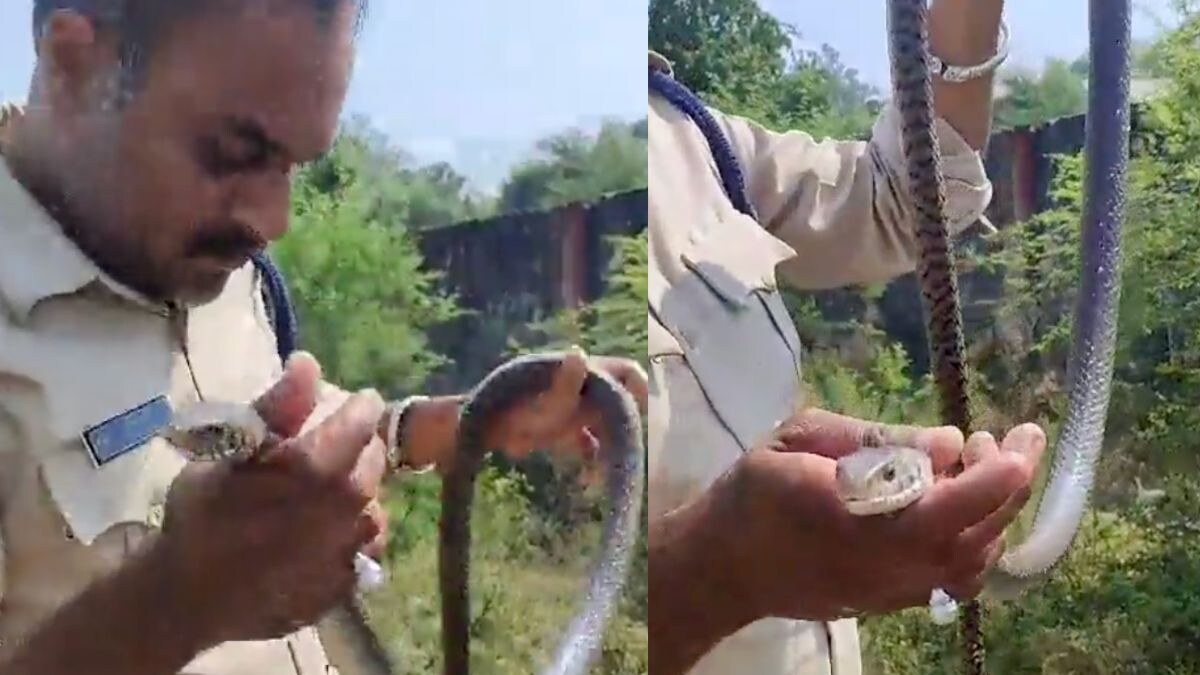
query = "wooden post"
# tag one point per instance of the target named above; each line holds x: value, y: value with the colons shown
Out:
x: 573, y: 256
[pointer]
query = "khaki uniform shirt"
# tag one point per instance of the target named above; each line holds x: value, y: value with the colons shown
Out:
x: 724, y: 352
x: 76, y: 349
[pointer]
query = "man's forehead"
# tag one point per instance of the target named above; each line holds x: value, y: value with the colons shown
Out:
x: 277, y: 73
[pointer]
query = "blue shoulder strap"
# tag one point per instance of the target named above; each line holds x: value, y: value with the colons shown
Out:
x: 727, y: 165
x: 279, y: 305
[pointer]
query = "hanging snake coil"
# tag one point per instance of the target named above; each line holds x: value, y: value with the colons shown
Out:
x: 622, y: 429
x: 879, y: 480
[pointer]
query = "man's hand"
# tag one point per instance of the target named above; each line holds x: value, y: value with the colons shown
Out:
x: 266, y: 547
x: 559, y: 420
x: 247, y: 552
x: 771, y: 538
x: 782, y: 499
x: 965, y: 33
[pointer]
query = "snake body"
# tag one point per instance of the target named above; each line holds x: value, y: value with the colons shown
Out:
x: 1065, y: 498
x: 503, y: 388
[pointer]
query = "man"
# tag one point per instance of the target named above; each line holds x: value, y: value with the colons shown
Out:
x: 152, y: 161
x: 755, y: 567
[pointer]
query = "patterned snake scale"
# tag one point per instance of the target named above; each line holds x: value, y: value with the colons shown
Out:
x: 504, y: 387
x: 1066, y: 495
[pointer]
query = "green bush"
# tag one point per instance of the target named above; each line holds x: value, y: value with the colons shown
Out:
x: 1126, y: 599
x: 522, y: 596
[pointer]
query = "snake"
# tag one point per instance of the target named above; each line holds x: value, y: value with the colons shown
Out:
x: 621, y: 430
x: 884, y: 480
x: 213, y: 430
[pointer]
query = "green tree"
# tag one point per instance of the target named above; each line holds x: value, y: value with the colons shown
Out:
x: 615, y: 323
x: 731, y: 49
x: 402, y: 193
x: 742, y: 60
x: 363, y: 300
x: 578, y: 167
x: 1058, y: 90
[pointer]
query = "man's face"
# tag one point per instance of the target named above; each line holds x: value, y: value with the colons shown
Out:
x: 179, y: 187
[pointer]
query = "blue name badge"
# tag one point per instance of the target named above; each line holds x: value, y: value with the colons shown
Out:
x: 122, y: 433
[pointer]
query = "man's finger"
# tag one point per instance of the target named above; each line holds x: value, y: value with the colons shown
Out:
x: 368, y: 474
x: 962, y: 585
x: 289, y: 402
x: 954, y: 504
x: 979, y: 447
x: 335, y: 446
x: 1028, y: 441
x: 629, y: 374
x: 832, y: 435
x: 578, y: 442
x: 553, y: 409
x: 374, y: 513
x: 943, y: 444
x: 992, y: 527
x: 824, y: 433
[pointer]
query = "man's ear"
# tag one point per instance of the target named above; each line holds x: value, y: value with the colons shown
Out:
x: 72, y: 55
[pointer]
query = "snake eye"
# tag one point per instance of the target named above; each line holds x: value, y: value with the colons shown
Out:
x: 889, y: 473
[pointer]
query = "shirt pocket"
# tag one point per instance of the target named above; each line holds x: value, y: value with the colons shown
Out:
x: 731, y: 325
x: 92, y: 498
x: 308, y: 654
x: 127, y: 489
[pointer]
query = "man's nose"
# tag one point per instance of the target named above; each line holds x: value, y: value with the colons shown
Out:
x: 263, y: 201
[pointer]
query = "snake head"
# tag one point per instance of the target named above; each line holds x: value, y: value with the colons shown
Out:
x: 216, y: 430
x: 884, y: 479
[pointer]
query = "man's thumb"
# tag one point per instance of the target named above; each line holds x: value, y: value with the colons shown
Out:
x: 289, y: 402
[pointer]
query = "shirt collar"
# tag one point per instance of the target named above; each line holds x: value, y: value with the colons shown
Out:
x: 40, y: 261
x: 660, y: 63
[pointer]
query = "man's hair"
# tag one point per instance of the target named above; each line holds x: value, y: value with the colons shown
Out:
x: 140, y: 23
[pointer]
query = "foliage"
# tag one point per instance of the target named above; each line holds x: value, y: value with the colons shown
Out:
x: 615, y: 324
x: 577, y: 167
x: 400, y: 193
x: 883, y: 390
x: 1058, y: 90
x: 522, y: 595
x: 742, y: 60
x: 1124, y: 600
x: 363, y: 301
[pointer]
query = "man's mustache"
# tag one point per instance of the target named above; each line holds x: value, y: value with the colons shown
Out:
x: 224, y: 240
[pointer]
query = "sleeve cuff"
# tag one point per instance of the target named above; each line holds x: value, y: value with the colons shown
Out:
x: 968, y: 189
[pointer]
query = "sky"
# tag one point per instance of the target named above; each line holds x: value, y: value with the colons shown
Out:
x: 477, y: 82
x: 1038, y: 29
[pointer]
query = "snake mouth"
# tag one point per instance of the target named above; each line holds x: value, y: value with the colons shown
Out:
x: 876, y: 505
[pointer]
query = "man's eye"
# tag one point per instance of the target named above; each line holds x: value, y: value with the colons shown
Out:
x: 223, y: 158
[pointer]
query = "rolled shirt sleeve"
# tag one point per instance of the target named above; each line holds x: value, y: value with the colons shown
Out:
x: 843, y: 205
